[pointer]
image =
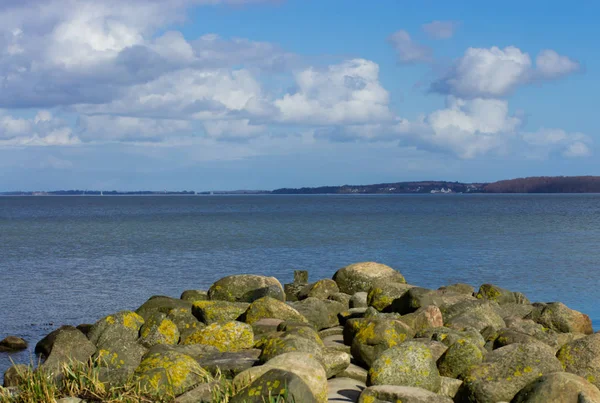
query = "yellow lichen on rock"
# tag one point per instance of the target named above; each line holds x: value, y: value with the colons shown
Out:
x: 231, y: 336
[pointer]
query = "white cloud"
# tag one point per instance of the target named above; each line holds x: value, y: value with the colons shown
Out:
x: 107, y: 128
x: 232, y: 129
x: 547, y: 141
x: 42, y: 130
x: 345, y: 93
x: 441, y: 29
x: 577, y: 149
x: 408, y: 50
x: 550, y: 64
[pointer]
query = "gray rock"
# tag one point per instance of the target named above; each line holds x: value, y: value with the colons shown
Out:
x: 376, y: 336
x: 332, y: 331
x: 449, y: 387
x: 557, y: 316
x: 229, y: 364
x: 194, y: 295
x: 202, y: 393
x: 404, y: 394
x: 494, y: 293
x: 418, y: 297
x: 382, y: 294
x: 322, y: 314
x: 342, y: 298
x: 322, y: 289
x: 14, y: 375
x: 334, y: 361
x: 246, y: 288
x: 359, y: 300
x: 559, y: 387
x: 477, y: 314
x: 274, y: 383
x: 582, y: 357
x: 355, y: 372
x: 12, y: 343
x: 359, y: 277
x: 65, y: 345
x: 460, y: 288
x: 459, y: 358
x: 336, y: 342
x: 160, y: 303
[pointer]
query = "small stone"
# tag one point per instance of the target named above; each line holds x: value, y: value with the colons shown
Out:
x: 13, y: 343
x: 14, y: 375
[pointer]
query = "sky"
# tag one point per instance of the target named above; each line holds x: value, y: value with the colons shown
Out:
x: 261, y: 94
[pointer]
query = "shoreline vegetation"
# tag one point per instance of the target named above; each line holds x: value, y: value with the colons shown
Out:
x: 365, y: 335
x: 541, y: 184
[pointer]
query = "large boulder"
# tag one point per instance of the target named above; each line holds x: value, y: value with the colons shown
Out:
x: 558, y: 387
x: 382, y: 294
x: 268, y: 307
x: 246, y: 288
x: 557, y: 316
x: 477, y: 314
x: 403, y: 394
x: 424, y: 318
x: 321, y: 313
x: 158, y: 330
x: 122, y: 326
x: 209, y: 312
x: 582, y: 357
x: 230, y: 336
x: 300, y: 339
x: 273, y: 385
x: 376, y: 336
x: 417, y: 297
x: 406, y: 365
x: 449, y: 336
x: 505, y: 371
x: 62, y: 346
x: 170, y: 373
x: 361, y: 276
x: 305, y: 365
x: 459, y: 358
x: 322, y: 289
x: 160, y: 303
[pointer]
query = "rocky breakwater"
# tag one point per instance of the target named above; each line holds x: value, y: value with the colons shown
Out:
x: 363, y: 336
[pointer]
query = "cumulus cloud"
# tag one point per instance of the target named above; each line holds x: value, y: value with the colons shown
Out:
x: 548, y: 141
x: 408, y: 50
x: 41, y: 130
x: 550, y: 64
x: 441, y: 29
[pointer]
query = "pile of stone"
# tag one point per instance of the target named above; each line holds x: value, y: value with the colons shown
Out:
x: 363, y: 336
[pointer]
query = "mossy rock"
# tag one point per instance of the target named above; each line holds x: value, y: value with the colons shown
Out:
x: 196, y: 351
x: 194, y: 295
x: 477, y: 314
x: 497, y: 294
x: 582, y: 357
x: 559, y: 387
x: 437, y: 348
x: 382, y: 294
x: 376, y: 336
x: 557, y: 316
x: 449, y: 387
x: 170, y: 373
x: 449, y: 336
x: 514, y: 311
x: 160, y: 303
x: 230, y: 336
x: 123, y: 326
x: 276, y: 385
x: 334, y: 361
x: 400, y: 394
x: 185, y: 321
x: 506, y: 336
x: 342, y: 298
x: 459, y: 358
x: 158, y: 330
x: 459, y: 288
x: 209, y: 312
x: 245, y: 288
x: 417, y: 297
x: 322, y: 289
x: 229, y: 364
x: 352, y: 313
x: 123, y: 357
x: 362, y: 276
x: 268, y: 307
x: 322, y: 314
x: 301, y: 339
x: 424, y: 318
x: 64, y: 345
x: 505, y: 371
x: 406, y: 365
x: 305, y: 365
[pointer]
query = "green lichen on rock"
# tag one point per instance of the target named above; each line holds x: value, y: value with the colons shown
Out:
x: 497, y: 294
x: 276, y: 385
x: 184, y: 320
x: 124, y: 325
x: 362, y: 276
x: 268, y: 307
x: 582, y: 357
x: 170, y: 373
x: 245, y: 288
x: 376, y: 336
x: 230, y: 336
x: 459, y: 358
x: 194, y: 295
x: 406, y: 365
x: 209, y: 312
x: 162, y: 304
x: 382, y: 294
x: 322, y: 289
x: 300, y: 339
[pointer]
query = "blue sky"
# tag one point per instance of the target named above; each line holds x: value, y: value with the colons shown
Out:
x: 230, y: 94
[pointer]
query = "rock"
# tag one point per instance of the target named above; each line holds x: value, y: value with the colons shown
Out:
x: 403, y: 394
x: 494, y: 293
x: 121, y: 327
x: 459, y: 288
x: 351, y: 313
x: 506, y: 336
x: 268, y: 307
x: 559, y: 387
x: 230, y: 336
x: 301, y: 276
x: 505, y: 371
x: 449, y: 336
x: 361, y: 276
x: 342, y: 298
x: 332, y: 331
x: 265, y: 326
x: 158, y: 330
x: 302, y: 339
x: 85, y: 328
x: 184, y: 320
x: 382, y: 294
x: 273, y: 385
x: 355, y: 372
x: 449, y: 386
x: 14, y: 375
x: 437, y: 348
x: 417, y: 297
x: 322, y: 314
x: 582, y: 357
x: 119, y: 360
x: 406, y: 365
x: 424, y: 318
x: 170, y: 372
x: 344, y: 389
x: 376, y: 336
x: 459, y: 358
x: 194, y: 296
x: 334, y: 361
x: 322, y: 289
x: 245, y: 288
x: 359, y: 300
x: 210, y: 312
x: 201, y: 393
x: 477, y: 314
x: 64, y: 345
x: 12, y: 343
x: 196, y: 351
x: 558, y: 317
x: 229, y: 364
x: 292, y: 290
x: 159, y: 303
x: 304, y: 365
x: 515, y: 310
x: 336, y: 342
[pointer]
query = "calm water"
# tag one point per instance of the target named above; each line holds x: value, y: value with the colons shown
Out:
x: 71, y: 260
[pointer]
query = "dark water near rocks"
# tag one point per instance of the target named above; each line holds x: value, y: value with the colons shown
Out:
x: 71, y: 260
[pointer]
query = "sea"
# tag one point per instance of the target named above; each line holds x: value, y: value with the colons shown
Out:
x: 73, y: 260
